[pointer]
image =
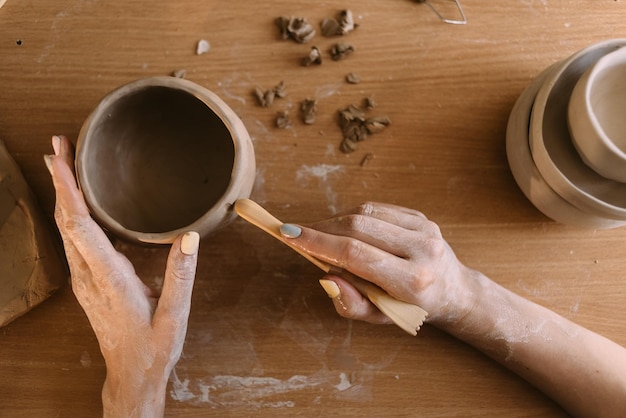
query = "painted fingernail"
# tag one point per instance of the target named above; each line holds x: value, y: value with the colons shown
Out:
x: 290, y: 230
x: 331, y: 288
x: 48, y: 160
x: 56, y: 144
x: 189, y: 243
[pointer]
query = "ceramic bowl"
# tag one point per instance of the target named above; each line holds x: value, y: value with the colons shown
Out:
x: 525, y: 172
x: 160, y: 156
x: 551, y: 146
x: 596, y: 116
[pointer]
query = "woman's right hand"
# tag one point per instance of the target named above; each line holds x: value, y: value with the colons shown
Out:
x: 396, y: 248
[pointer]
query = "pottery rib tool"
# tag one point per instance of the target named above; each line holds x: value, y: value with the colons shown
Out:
x: 407, y: 316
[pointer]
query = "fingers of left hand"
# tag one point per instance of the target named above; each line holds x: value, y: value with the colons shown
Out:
x: 175, y: 301
x: 79, y: 231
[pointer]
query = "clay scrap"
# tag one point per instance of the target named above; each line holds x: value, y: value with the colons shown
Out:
x: 352, y: 78
x: 203, y: 47
x: 32, y: 266
x: 283, y: 121
x: 314, y: 57
x: 308, y: 107
x: 337, y: 27
x: 295, y: 28
x: 265, y: 98
x: 340, y: 51
x: 356, y: 127
x: 182, y: 73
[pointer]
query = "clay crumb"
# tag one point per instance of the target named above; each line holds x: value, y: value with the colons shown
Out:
x: 347, y: 146
x: 369, y: 103
x: 356, y: 127
x: 340, y: 51
x: 366, y: 159
x: 308, y: 107
x: 265, y: 98
x: 314, y: 57
x: 353, y: 78
x: 283, y: 121
x: 342, y: 25
x: 203, y: 47
x: 346, y: 22
x: 279, y: 90
x: 296, y: 28
x: 376, y: 124
x: 330, y: 27
x: 179, y: 73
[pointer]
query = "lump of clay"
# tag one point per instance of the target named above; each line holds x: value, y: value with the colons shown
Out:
x: 356, y: 127
x: 353, y: 78
x: 309, y: 111
x: 296, y: 28
x: 343, y: 25
x: 314, y: 57
x: 340, y: 51
x: 203, y: 47
x: 346, y: 22
x: 265, y: 98
x: 283, y: 121
x: 182, y: 73
x: 330, y: 27
x: 31, y: 263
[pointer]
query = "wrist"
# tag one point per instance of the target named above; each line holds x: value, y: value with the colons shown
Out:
x: 465, y: 293
x: 140, y: 397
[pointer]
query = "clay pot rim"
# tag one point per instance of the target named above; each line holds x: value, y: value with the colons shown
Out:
x: 594, y: 136
x: 556, y: 178
x: 233, y: 124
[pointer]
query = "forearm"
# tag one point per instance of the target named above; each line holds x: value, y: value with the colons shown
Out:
x: 583, y: 371
x: 144, y: 399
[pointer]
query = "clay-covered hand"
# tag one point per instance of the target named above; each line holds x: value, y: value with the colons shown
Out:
x: 405, y: 254
x: 141, y: 333
x: 398, y: 249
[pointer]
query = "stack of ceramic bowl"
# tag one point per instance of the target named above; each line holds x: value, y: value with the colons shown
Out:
x: 566, y: 138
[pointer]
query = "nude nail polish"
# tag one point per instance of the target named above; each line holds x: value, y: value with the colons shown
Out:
x: 56, y: 144
x: 331, y: 288
x: 48, y: 160
x: 189, y: 243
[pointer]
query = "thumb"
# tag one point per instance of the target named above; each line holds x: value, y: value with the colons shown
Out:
x: 172, y: 311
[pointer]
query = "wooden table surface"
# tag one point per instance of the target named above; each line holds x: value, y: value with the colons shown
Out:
x: 263, y: 338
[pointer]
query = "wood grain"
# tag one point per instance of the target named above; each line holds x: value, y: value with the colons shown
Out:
x: 263, y: 338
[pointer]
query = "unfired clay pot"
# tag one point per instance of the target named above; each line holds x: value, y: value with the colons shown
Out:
x: 526, y: 174
x: 551, y: 145
x: 161, y: 156
x: 596, y: 116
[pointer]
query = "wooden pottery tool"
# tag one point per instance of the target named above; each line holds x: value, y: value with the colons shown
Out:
x: 407, y: 316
